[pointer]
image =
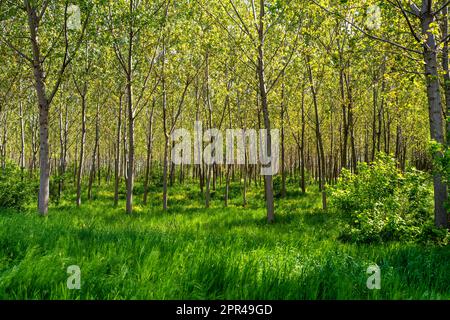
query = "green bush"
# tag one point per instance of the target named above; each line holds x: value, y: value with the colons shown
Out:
x: 381, y: 203
x: 441, y: 161
x: 434, y: 235
x: 15, y: 190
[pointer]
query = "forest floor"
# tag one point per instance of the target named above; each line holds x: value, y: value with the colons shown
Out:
x: 191, y: 252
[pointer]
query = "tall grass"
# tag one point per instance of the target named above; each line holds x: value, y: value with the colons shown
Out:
x: 191, y: 252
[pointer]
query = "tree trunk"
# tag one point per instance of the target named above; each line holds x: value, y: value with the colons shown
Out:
x: 351, y: 124
x: 268, y: 185
x: 435, y: 110
x: 82, y: 142
x: 94, y: 153
x: 61, y: 152
x: 321, y: 153
x: 209, y: 106
x: 149, y: 153
x: 166, y: 134
x: 302, y: 147
x: 445, y: 66
x: 130, y: 168
x: 374, y: 120
x: 118, y: 156
x: 344, y: 121
x: 283, y: 155
x: 39, y: 76
x: 22, y: 141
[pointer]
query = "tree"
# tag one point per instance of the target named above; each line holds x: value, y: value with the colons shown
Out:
x: 133, y: 17
x: 426, y: 17
x: 35, y: 13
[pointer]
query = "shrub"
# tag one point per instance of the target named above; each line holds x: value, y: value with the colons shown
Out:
x: 432, y: 234
x: 381, y: 203
x: 15, y: 191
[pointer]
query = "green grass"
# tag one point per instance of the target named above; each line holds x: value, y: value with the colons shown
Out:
x: 191, y: 252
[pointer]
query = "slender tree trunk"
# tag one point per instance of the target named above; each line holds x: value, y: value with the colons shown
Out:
x: 351, y: 124
x: 82, y: 143
x: 321, y: 153
x: 227, y: 184
x: 149, y: 152
x: 130, y: 168
x: 61, y: 152
x: 345, y: 125
x: 331, y: 159
x: 98, y: 158
x: 283, y: 147
x: 39, y: 76
x: 94, y: 153
x: 374, y: 121
x: 124, y: 165
x: 118, y: 155
x: 228, y: 165
x: 268, y: 185
x: 398, y: 142
x: 209, y: 106
x: 165, y: 173
x: 4, y: 141
x: 381, y: 109
x: 75, y: 164
x: 435, y: 110
x: 165, y: 128
x: 445, y: 66
x: 198, y: 140
x: 302, y: 142
x: 387, y: 131
x: 22, y: 140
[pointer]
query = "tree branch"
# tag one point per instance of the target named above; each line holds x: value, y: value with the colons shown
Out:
x: 20, y: 53
x: 442, y: 7
x: 365, y: 32
x: 68, y: 59
x: 43, y: 9
x: 408, y: 22
x: 243, y: 23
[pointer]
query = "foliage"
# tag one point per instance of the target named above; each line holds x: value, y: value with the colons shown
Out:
x: 441, y: 164
x: 141, y: 69
x: 442, y: 160
x: 381, y: 203
x: 15, y: 189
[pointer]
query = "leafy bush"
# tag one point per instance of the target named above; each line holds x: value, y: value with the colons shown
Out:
x: 15, y: 191
x: 381, y: 203
x: 442, y: 161
x: 432, y: 234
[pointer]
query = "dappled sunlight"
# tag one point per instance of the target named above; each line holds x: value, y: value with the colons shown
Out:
x: 192, y: 252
